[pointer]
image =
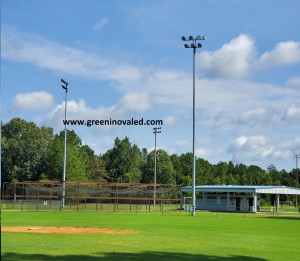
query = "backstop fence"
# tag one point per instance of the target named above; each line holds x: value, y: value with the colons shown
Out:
x: 90, y: 196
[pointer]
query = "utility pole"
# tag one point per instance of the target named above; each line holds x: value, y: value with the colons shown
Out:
x: 297, y: 156
x: 156, y: 130
x: 65, y: 87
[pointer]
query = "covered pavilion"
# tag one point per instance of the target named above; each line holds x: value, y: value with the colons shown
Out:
x: 234, y: 198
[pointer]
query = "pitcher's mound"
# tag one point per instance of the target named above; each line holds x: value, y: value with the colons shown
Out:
x: 66, y: 230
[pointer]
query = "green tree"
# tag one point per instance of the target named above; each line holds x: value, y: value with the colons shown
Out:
x: 24, y: 150
x: 177, y: 167
x: 79, y: 158
x: 134, y: 174
x: 183, y: 168
x: 98, y: 169
x: 240, y: 171
x: 203, y: 172
x: 164, y: 168
x: 275, y: 175
x: 123, y: 162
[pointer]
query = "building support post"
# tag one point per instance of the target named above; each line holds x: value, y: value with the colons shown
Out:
x: 181, y: 199
x: 228, y: 201
x: 277, y: 202
x: 254, y: 202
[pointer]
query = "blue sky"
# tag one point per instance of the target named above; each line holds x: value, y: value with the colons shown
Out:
x: 125, y: 59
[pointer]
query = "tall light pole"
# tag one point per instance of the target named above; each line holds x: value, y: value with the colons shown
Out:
x: 297, y: 156
x: 156, y: 130
x: 65, y: 87
x: 194, y: 45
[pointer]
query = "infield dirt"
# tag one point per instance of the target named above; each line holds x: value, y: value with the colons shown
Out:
x: 66, y: 230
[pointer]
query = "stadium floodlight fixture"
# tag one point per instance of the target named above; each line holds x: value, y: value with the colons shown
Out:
x: 63, y: 81
x: 65, y: 87
x: 194, y: 45
x: 191, y: 38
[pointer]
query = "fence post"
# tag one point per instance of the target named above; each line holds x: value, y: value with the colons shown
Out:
x: 38, y: 200
x: 60, y: 205
x: 22, y: 196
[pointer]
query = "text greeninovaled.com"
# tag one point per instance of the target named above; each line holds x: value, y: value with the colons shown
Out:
x: 113, y: 122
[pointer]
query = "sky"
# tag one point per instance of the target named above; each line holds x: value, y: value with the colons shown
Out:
x: 125, y: 59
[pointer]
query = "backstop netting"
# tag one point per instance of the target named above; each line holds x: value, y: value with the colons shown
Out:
x: 97, y: 196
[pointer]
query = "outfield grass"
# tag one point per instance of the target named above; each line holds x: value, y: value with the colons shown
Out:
x: 173, y: 236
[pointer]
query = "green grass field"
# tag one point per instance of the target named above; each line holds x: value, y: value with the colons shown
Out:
x: 172, y: 236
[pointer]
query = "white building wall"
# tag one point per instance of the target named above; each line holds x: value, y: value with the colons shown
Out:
x: 223, y: 202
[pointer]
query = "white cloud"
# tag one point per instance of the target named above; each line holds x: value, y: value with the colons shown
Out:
x: 252, y: 147
x: 237, y: 58
x: 258, y: 148
x: 232, y: 60
x: 283, y: 53
x: 165, y: 87
x: 294, y: 81
x: 133, y: 102
x: 292, y: 113
x: 223, y: 119
x: 180, y: 146
x: 34, y: 49
x: 170, y: 120
x: 202, y: 153
x: 258, y: 116
x: 101, y: 23
x: 32, y: 101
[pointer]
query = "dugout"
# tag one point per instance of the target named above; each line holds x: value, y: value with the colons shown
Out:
x: 234, y: 198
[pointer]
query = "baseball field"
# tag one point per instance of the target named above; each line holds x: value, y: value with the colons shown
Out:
x: 146, y: 236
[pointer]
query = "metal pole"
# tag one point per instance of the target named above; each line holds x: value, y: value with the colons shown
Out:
x: 65, y: 145
x: 154, y: 189
x: 0, y: 158
x: 297, y: 179
x: 65, y: 154
x: 0, y: 179
x: 194, y: 45
x: 154, y: 179
x: 297, y: 157
x: 194, y: 121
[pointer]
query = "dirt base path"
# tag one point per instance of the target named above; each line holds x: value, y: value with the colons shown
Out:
x: 66, y: 230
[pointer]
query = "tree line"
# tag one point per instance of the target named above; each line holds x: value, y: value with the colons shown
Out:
x: 32, y: 153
